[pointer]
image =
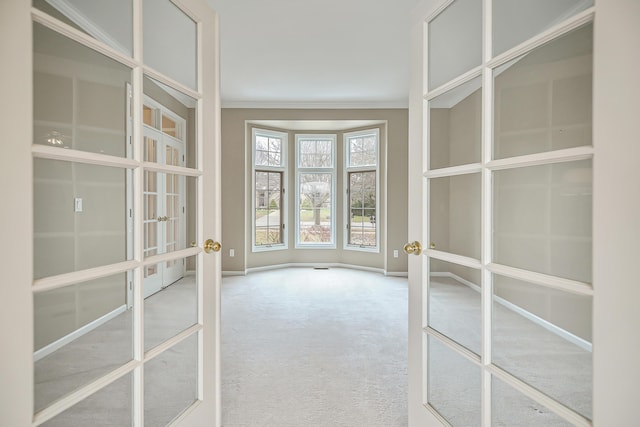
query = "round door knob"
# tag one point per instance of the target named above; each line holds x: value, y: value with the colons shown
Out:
x: 413, y: 248
x: 211, y: 246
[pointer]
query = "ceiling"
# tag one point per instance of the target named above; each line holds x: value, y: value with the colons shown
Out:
x: 314, y: 53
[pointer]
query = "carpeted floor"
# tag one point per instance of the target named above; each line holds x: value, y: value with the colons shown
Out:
x: 305, y: 347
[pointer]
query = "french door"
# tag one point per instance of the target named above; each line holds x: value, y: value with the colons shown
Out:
x: 87, y: 347
x: 504, y: 291
x: 164, y: 199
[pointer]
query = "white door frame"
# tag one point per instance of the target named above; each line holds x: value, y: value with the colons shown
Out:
x: 616, y: 213
x: 16, y: 118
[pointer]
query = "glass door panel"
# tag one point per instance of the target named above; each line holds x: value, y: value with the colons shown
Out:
x: 173, y: 115
x: 79, y: 216
x: 171, y: 382
x: 175, y: 308
x: 543, y: 337
x: 162, y: 46
x: 454, y: 223
x: 82, y: 332
x: 543, y: 100
x: 517, y: 21
x: 454, y: 385
x: 510, y: 408
x: 455, y: 41
x: 80, y: 96
x: 542, y: 219
x: 108, y: 22
x: 112, y: 404
x: 454, y: 302
x: 455, y: 126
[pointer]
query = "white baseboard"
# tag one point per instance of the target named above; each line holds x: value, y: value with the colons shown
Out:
x: 314, y: 265
x: 234, y: 273
x: 58, y: 344
x: 397, y: 273
x: 562, y: 333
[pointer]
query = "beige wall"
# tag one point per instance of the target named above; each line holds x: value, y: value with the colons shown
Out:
x: 236, y: 213
x: 542, y: 214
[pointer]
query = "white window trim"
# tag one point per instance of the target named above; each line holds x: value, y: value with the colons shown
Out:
x: 347, y: 211
x: 332, y: 170
x: 284, y: 137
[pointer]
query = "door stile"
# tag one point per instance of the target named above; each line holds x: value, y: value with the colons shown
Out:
x: 486, y: 217
x: 138, y: 218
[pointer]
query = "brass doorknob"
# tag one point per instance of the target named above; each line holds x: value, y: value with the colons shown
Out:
x: 211, y: 246
x: 413, y: 248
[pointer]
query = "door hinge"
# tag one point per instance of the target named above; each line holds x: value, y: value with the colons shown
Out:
x: 130, y: 285
x: 283, y: 226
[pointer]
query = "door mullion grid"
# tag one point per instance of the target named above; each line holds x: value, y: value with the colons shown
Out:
x: 138, y: 219
x: 486, y: 215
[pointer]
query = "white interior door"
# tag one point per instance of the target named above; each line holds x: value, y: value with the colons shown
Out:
x: 164, y: 202
x: 72, y: 156
x: 501, y: 200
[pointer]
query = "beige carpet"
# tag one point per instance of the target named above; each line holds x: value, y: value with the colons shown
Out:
x: 305, y: 347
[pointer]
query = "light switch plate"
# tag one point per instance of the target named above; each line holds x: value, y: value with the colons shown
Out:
x: 77, y: 204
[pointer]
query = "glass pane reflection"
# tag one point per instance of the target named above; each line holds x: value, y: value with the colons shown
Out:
x: 171, y: 382
x: 454, y: 302
x: 542, y: 219
x: 109, y: 22
x: 455, y: 126
x: 80, y: 216
x: 543, y: 100
x: 454, y: 223
x: 169, y: 125
x: 108, y: 407
x: 162, y: 46
x: 80, y: 96
x: 455, y: 41
x: 454, y: 385
x: 517, y: 21
x: 82, y: 332
x: 173, y: 306
x: 510, y: 408
x: 543, y: 337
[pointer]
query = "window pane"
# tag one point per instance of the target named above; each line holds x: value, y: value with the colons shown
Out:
x: 517, y: 21
x: 81, y: 332
x: 455, y: 131
x: 556, y: 355
x: 454, y: 302
x: 268, y: 208
x: 454, y: 385
x: 542, y: 219
x: 315, y: 198
x: 455, y: 41
x: 315, y: 153
x: 109, y: 22
x: 543, y: 100
x: 363, y: 151
x: 80, y: 216
x: 268, y: 151
x: 454, y: 223
x: 80, y: 96
x: 173, y: 53
x: 362, y: 205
